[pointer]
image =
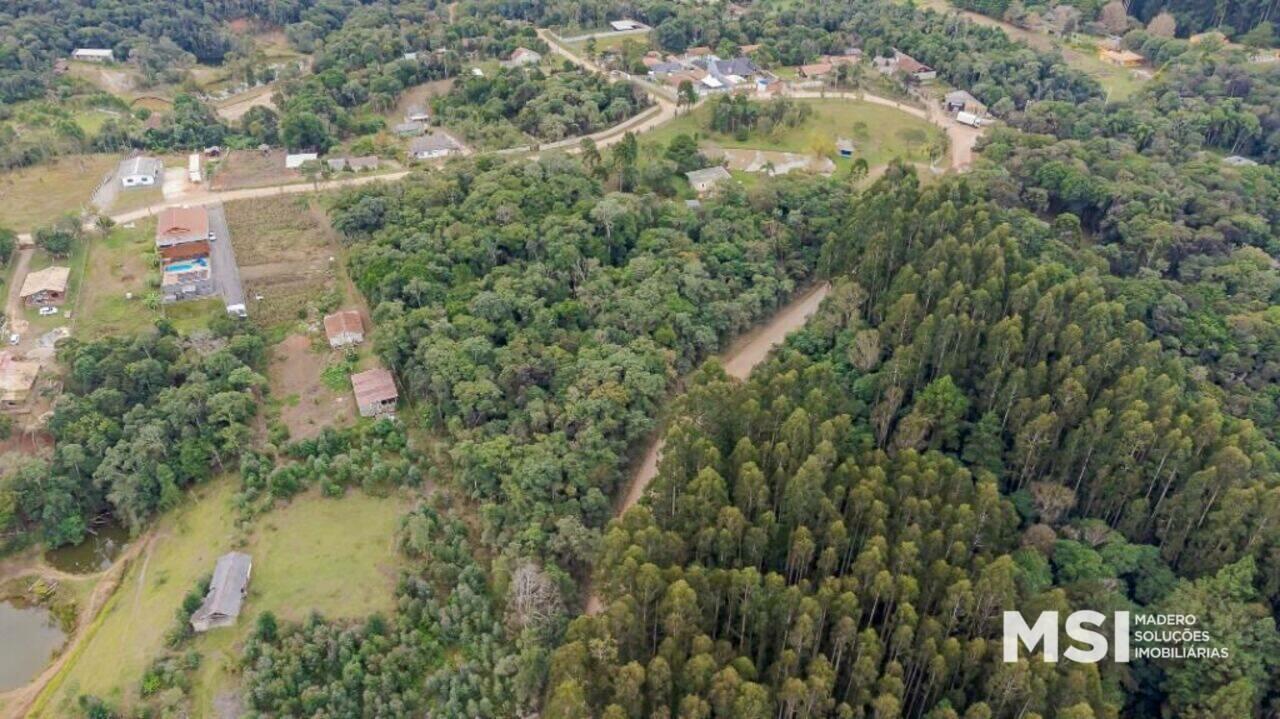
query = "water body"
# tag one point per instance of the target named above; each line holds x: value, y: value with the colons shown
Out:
x: 94, y: 554
x: 31, y: 637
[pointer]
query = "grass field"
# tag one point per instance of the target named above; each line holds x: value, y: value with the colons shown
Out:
x: 38, y: 195
x: 335, y: 556
x: 284, y: 248
x: 603, y: 44
x: 880, y: 133
x: 119, y: 263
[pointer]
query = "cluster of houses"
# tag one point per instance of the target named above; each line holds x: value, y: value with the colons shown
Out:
x: 375, y: 389
x: 711, y: 74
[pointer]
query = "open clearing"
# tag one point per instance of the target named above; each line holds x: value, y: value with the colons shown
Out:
x: 335, y: 556
x: 880, y: 133
x: 306, y: 403
x: 241, y: 169
x: 38, y: 195
x: 120, y: 266
x: 287, y: 255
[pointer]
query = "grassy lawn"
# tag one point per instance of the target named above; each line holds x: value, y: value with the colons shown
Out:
x: 119, y: 266
x: 302, y: 562
x: 38, y: 195
x: 884, y: 133
x: 603, y: 44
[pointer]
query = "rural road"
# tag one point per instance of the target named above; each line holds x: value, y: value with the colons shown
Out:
x: 742, y: 356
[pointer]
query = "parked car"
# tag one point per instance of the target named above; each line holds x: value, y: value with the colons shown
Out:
x: 46, y: 311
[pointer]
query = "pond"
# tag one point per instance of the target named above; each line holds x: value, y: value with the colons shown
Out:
x: 31, y: 636
x: 94, y: 554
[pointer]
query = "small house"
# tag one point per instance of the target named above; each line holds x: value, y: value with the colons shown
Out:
x: 417, y: 113
x: 45, y: 287
x: 222, y: 603
x: 814, y: 71
x: 627, y: 25
x: 344, y: 328
x: 296, y: 160
x: 140, y: 171
x: 432, y: 146
x: 91, y: 54
x: 915, y: 70
x: 17, y: 378
x: 1120, y: 58
x: 960, y: 100
x: 375, y: 391
x: 523, y: 56
x: 844, y: 147
x: 702, y: 181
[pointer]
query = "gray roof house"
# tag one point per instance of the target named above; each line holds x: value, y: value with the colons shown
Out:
x: 740, y: 66
x: 707, y: 178
x: 432, y: 145
x: 230, y: 581
x: 139, y: 171
x: 406, y: 129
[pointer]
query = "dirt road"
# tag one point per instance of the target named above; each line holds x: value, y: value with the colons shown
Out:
x: 13, y: 303
x: 743, y: 355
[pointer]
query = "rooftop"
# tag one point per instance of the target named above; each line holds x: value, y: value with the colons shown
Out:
x: 50, y: 279
x: 182, y: 224
x: 708, y: 174
x: 432, y: 141
x: 140, y: 165
x: 226, y: 589
x: 342, y: 322
x: 375, y: 385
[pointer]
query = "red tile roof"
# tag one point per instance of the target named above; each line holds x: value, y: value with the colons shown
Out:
x: 375, y: 385
x: 343, y: 322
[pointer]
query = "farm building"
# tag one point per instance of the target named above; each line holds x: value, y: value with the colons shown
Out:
x: 627, y: 25
x: 705, y: 179
x: 344, y: 328
x: 226, y: 593
x: 45, y: 287
x: 523, y: 56
x: 91, y: 54
x: 915, y: 70
x: 815, y: 70
x: 432, y: 146
x: 375, y: 392
x: 140, y: 171
x: 17, y: 378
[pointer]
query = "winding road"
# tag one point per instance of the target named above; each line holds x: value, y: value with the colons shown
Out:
x: 743, y: 355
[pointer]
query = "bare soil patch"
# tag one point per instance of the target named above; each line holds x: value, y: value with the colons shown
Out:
x: 250, y: 168
x: 306, y: 404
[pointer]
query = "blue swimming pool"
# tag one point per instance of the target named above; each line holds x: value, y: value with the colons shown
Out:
x: 197, y: 264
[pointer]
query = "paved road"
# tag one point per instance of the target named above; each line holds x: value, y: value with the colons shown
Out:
x: 226, y: 273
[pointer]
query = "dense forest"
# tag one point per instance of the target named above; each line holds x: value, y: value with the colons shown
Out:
x: 972, y: 424
x: 140, y: 419
x: 504, y: 109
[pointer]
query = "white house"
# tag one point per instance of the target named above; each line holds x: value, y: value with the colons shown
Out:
x: 295, y: 160
x: 140, y: 171
x: 625, y: 25
x: 90, y: 54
